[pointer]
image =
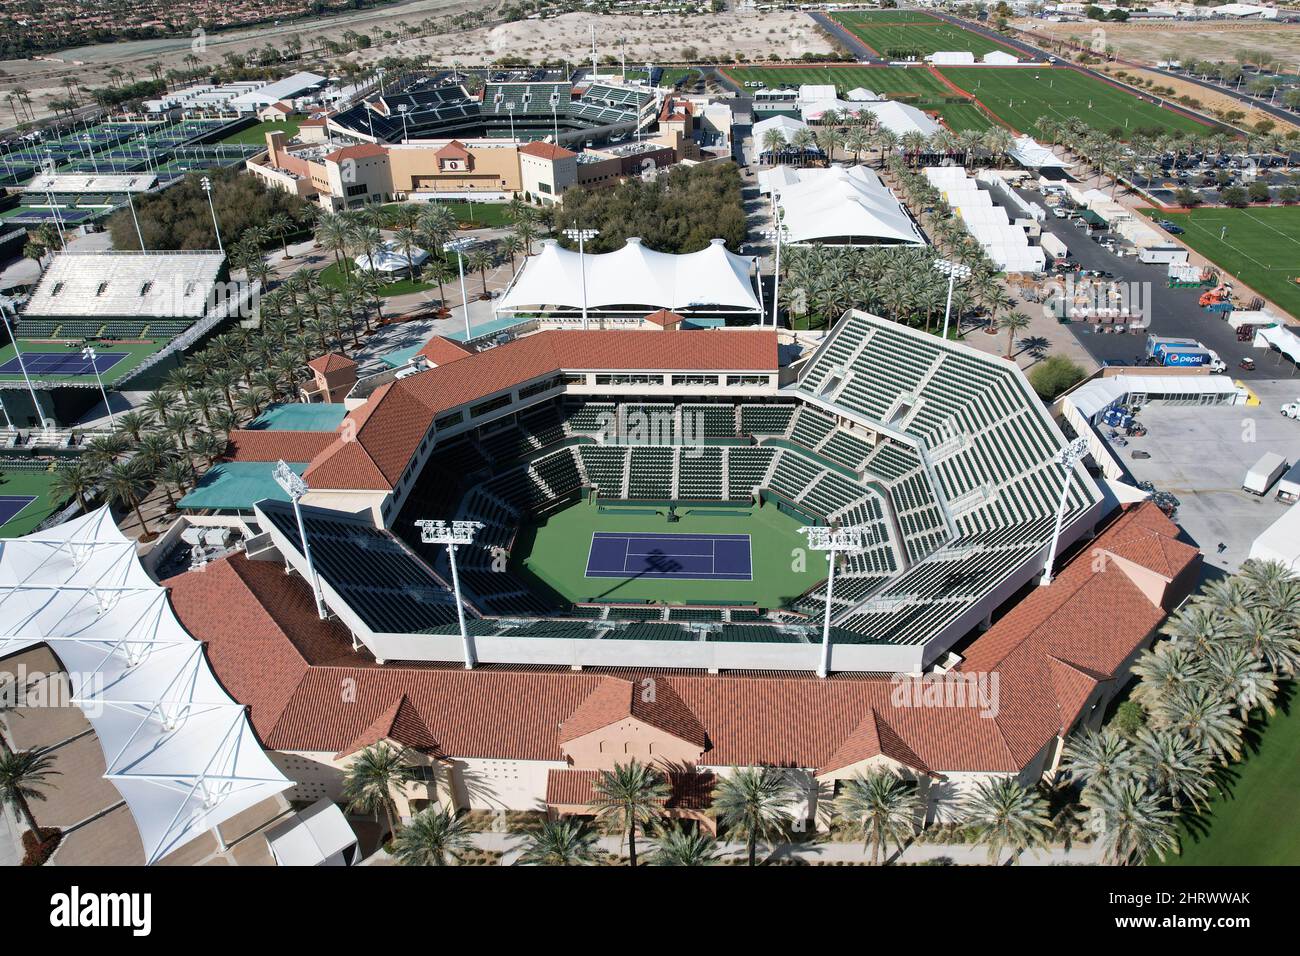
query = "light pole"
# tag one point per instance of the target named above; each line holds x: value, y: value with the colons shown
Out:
x: 206, y: 183
x: 776, y: 234
x: 1067, y: 457
x: 402, y: 108
x: 49, y: 197
x: 834, y: 541
x: 22, y: 364
x: 295, y: 487
x: 138, y: 234
x: 954, y: 271
x: 458, y: 246
x: 510, y: 108
x: 582, y: 235
x: 88, y: 353
x: 453, y: 536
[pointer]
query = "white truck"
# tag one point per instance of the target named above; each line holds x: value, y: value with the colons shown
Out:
x: 1262, y: 474
x: 1291, y: 409
x: 1288, y: 486
x: 1054, y: 247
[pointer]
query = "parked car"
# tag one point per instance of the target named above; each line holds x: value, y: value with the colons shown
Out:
x: 1170, y: 227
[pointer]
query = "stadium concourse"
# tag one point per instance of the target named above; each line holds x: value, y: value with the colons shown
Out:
x: 942, y: 455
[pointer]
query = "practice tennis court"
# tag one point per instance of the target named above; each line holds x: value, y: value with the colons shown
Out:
x: 11, y: 505
x: 71, y: 362
x: 695, y: 557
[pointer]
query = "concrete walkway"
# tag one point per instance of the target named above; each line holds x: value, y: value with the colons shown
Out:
x: 11, y: 844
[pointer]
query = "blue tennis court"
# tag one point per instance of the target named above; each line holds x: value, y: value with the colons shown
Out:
x: 694, y: 557
x: 71, y: 362
x: 11, y: 505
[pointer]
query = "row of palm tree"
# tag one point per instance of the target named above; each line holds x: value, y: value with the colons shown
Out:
x: 1226, y: 652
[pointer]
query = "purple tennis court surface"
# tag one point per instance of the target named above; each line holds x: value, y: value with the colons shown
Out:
x: 70, y: 362
x: 10, y: 505
x: 696, y: 557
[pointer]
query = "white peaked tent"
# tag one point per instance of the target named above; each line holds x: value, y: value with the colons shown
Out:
x: 177, y: 747
x: 844, y: 206
x: 634, y: 276
x: 1281, y: 338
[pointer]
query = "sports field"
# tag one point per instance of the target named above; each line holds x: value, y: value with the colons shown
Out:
x: 1021, y: 96
x: 915, y: 33
x: 1255, y: 823
x: 255, y: 135
x: 62, y: 361
x: 25, y: 501
x: 713, y: 554
x: 1260, y: 246
x: 915, y: 85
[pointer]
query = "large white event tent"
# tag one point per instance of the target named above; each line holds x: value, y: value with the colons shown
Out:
x: 1280, y: 339
x: 843, y: 206
x: 390, y: 258
x: 634, y: 280
x: 177, y: 747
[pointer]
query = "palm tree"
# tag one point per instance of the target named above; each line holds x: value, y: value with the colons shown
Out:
x: 1014, y: 323
x: 480, y: 260
x: 125, y: 485
x: 564, y: 842
x: 630, y: 794
x: 23, y: 775
x: 1173, y: 766
x: 1163, y: 670
x: 74, y: 480
x: 374, y: 776
x: 1206, y: 718
x: 134, y: 422
x: 1006, y: 816
x: 883, y: 805
x: 1264, y: 631
x: 511, y: 245
x: 1096, y: 756
x: 774, y: 145
x: 677, y: 846
x: 754, y: 802
x: 1130, y: 822
x: 432, y: 838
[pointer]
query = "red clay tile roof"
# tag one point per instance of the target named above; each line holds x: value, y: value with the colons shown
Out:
x: 686, y: 790
x: 401, y: 723
x: 330, y: 362
x: 651, y: 701
x: 453, y: 148
x: 360, y: 151
x: 261, y: 444
x: 394, y: 420
x: 546, y: 151
x: 1049, y: 653
x: 441, y: 351
x: 664, y: 318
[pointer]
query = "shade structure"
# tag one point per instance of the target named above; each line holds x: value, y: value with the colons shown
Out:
x: 178, y: 748
x: 390, y: 258
x: 1031, y: 154
x: 1280, y: 339
x: 839, y: 206
x: 635, y: 279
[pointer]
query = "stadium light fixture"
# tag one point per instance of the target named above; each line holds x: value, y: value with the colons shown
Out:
x: 206, y: 184
x: 88, y: 353
x: 135, y: 219
x: 295, y: 487
x: 776, y: 234
x: 402, y: 108
x: 954, y: 271
x: 834, y: 541
x: 436, y: 531
x: 18, y: 354
x: 581, y: 236
x: 459, y: 246
x: 1067, y: 458
x: 510, y: 108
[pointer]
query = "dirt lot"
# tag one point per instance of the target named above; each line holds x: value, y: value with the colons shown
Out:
x: 1164, y: 40
x: 649, y: 39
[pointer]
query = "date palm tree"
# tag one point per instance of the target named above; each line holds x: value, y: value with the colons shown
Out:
x: 882, y: 805
x: 1163, y: 670
x: 678, y: 846
x: 632, y: 794
x: 1129, y: 822
x: 1095, y: 756
x: 135, y: 422
x: 1013, y: 323
x: 374, y: 777
x: 76, y: 479
x: 1173, y: 766
x: 563, y: 842
x: 1206, y: 718
x: 754, y: 803
x: 1006, y: 816
x: 1241, y: 677
x: 480, y: 260
x: 434, y: 837
x: 24, y: 775
x: 1265, y: 633
x: 125, y: 485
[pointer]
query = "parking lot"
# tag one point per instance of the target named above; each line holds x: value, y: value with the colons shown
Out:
x: 1201, y: 454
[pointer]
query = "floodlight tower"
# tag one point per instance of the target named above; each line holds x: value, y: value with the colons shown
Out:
x: 402, y: 108
x: 954, y: 271
x: 581, y: 236
x: 295, y: 487
x: 453, y: 536
x: 1067, y: 457
x: 88, y: 353
x: 458, y: 246
x: 776, y: 234
x: 206, y: 184
x: 834, y: 541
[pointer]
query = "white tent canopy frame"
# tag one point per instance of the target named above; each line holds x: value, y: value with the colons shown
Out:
x: 635, y: 280
x: 178, y: 748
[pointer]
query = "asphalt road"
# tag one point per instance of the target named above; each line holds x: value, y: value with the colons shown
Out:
x: 1173, y: 311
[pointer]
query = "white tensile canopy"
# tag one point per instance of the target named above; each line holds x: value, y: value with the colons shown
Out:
x: 848, y: 206
x: 1031, y: 154
x: 390, y: 258
x: 177, y: 747
x: 1282, y: 339
x: 634, y: 276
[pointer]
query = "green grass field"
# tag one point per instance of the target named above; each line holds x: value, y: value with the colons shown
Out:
x: 1254, y: 823
x: 1021, y: 96
x: 916, y: 33
x: 256, y: 135
x: 332, y: 276
x: 35, y: 483
x: 1261, y: 246
x: 884, y: 16
x: 137, y: 352
x: 473, y: 215
x: 555, y: 553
